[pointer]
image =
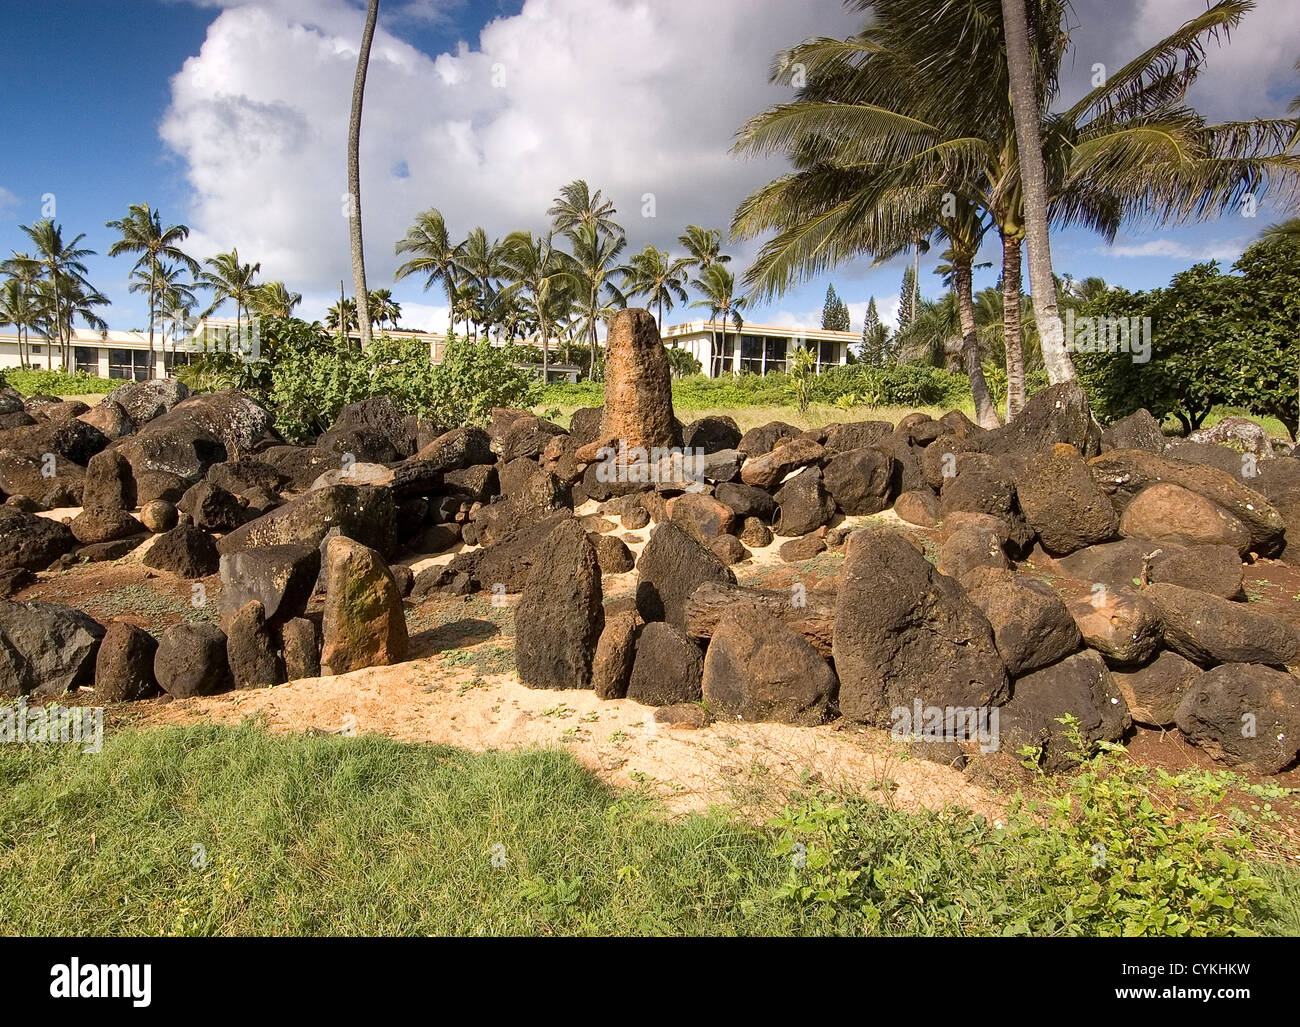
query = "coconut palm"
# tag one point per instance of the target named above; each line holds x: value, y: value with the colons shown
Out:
x: 64, y: 269
x: 577, y: 206
x: 343, y: 322
x: 384, y: 309
x: 592, y: 271
x: 654, y: 274
x: 76, y: 299
x: 540, y: 271
x: 142, y: 233
x: 906, y: 105
x: 718, y: 287
x: 1287, y: 231
x: 436, y: 256
x: 228, y: 279
x: 22, y: 306
x: 480, y: 264
x: 170, y: 297
x: 704, y: 246
x: 273, y: 299
x: 354, y: 176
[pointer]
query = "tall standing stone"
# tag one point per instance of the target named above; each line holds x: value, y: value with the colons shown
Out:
x: 638, y: 385
x: 560, y: 614
x: 363, y: 624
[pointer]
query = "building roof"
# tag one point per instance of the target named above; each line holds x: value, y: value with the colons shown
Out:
x: 749, y: 328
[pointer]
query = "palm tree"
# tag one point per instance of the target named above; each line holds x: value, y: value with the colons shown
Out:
x: 654, y: 274
x: 703, y: 245
x: 717, y: 285
x: 75, y: 299
x: 383, y: 308
x: 481, y: 264
x: 595, y: 256
x: 437, y: 258
x: 577, y: 206
x: 23, y: 303
x: 906, y: 105
x: 273, y: 299
x: 354, y: 176
x: 1287, y: 231
x: 540, y: 271
x: 228, y: 279
x: 142, y: 232
x: 167, y: 294
x: 348, y: 322
x: 64, y: 269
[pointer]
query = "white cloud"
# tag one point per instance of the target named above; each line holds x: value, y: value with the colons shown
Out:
x: 639, y: 98
x: 1225, y: 250
x: 8, y: 201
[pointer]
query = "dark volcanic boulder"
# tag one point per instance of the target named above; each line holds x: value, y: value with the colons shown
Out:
x: 191, y: 660
x: 766, y: 437
x: 1063, y: 503
x: 1031, y: 624
x: 1243, y: 714
x: 301, y: 648
x: 252, y: 649
x: 212, y: 508
x: 92, y: 526
x: 299, y: 465
x: 370, y: 430
x: 1153, y: 692
x: 841, y: 438
x: 804, y: 504
x: 186, y: 551
x: 611, y: 667
x: 1214, y: 569
x: 759, y: 669
x: 363, y: 623
x: 280, y: 578
x: 1119, y: 623
x: 560, y: 614
x: 919, y: 506
x: 458, y: 449
x: 1139, y: 430
x: 701, y: 516
x: 110, y: 418
x: 1209, y: 630
x: 241, y: 476
x: 46, y: 649
x: 711, y: 434
x: 175, y: 444
x: 72, y: 439
x: 904, y: 632
x: 151, y: 485
x: 1080, y: 686
x: 29, y: 541
x: 1056, y: 414
x: 363, y: 513
x: 969, y: 549
x: 124, y: 664
x: 109, y: 484
x: 767, y: 471
x: 667, y: 669
x: 37, y: 476
x: 672, y: 565
x: 1126, y: 472
x: 746, y: 500
x: 143, y: 401
x: 1165, y: 512
x: 861, y: 481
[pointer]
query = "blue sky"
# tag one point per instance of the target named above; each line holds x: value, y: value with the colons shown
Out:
x: 229, y: 116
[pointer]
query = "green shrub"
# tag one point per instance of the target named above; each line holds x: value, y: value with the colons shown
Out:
x: 30, y: 381
x: 312, y: 377
x: 682, y: 363
x: 1106, y: 853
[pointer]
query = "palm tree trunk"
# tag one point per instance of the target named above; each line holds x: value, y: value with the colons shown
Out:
x: 1033, y: 177
x: 354, y: 177
x: 1011, y: 332
x: 153, y: 270
x: 986, y: 413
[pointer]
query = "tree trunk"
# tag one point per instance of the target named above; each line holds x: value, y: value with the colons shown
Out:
x: 1029, y: 118
x: 1011, y: 330
x: 153, y: 361
x: 354, y: 177
x: 986, y: 414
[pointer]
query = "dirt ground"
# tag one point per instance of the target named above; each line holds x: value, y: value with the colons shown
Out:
x: 460, y: 688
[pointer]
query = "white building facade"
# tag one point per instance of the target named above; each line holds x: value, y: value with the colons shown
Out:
x: 756, y: 348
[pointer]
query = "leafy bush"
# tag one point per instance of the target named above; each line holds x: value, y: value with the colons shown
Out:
x: 313, y: 376
x: 1217, y: 340
x: 30, y: 381
x: 682, y: 363
x: 1106, y: 853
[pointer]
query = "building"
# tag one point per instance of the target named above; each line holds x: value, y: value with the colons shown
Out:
x: 756, y: 348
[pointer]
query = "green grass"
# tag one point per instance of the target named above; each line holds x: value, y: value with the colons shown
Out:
x: 29, y: 382
x: 233, y: 831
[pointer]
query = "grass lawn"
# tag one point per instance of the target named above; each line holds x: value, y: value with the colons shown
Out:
x: 233, y: 831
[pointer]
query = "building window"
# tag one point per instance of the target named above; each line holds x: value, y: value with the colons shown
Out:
x: 87, y: 358
x: 827, y: 354
x: 130, y: 364
x: 36, y: 349
x: 174, y: 360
